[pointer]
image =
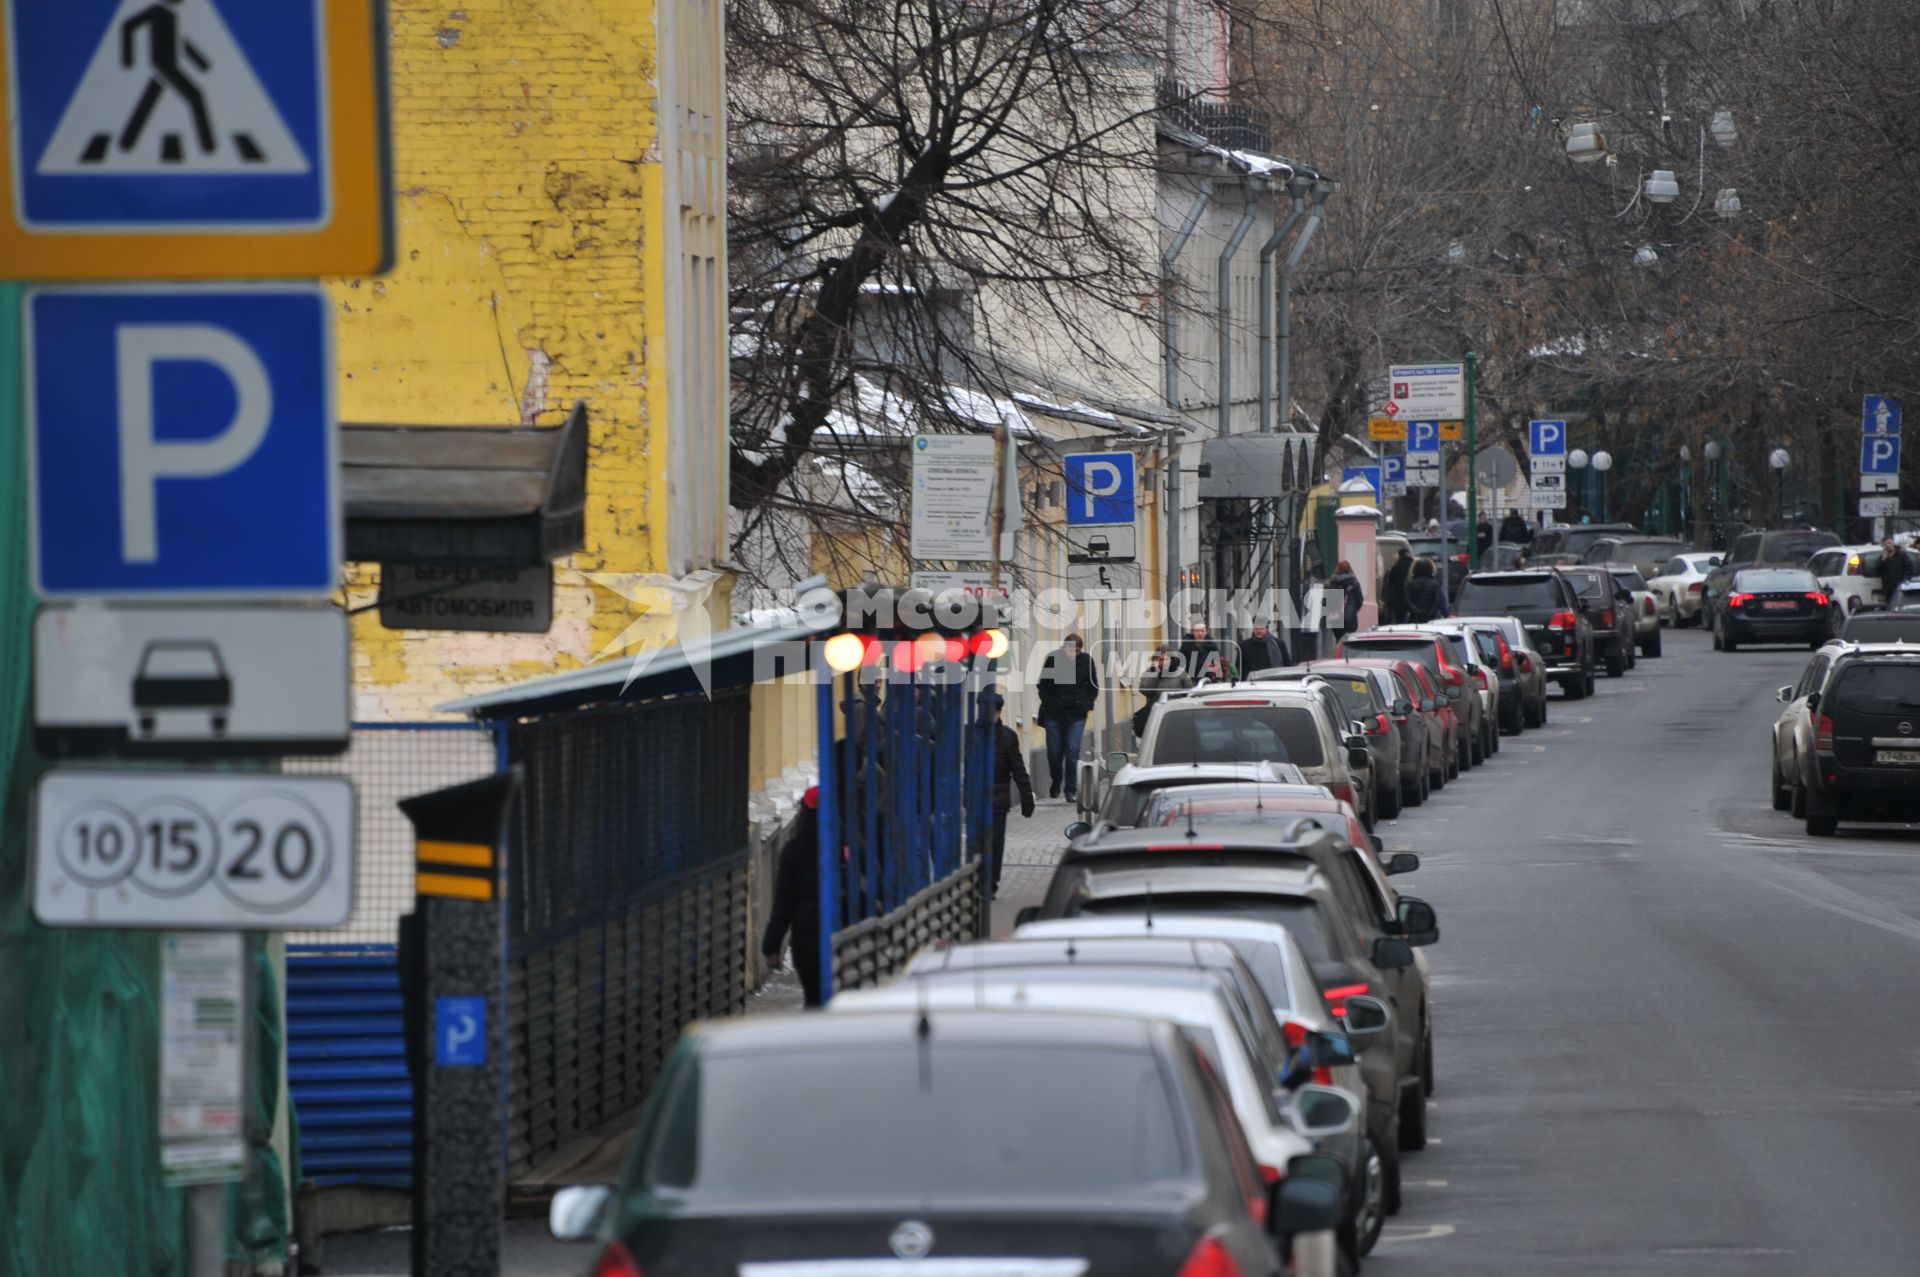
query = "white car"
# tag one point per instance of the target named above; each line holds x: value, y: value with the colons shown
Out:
x: 1851, y: 574
x: 1678, y: 589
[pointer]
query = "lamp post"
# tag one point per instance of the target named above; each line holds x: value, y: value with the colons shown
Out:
x: 1780, y: 459
x: 1711, y: 453
x: 1577, y: 462
x: 1603, y: 462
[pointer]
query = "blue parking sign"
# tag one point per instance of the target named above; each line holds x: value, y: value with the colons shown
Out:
x: 460, y: 1032
x: 1880, y: 454
x: 182, y: 442
x: 1099, y: 488
x: 1547, y: 438
x: 1423, y: 436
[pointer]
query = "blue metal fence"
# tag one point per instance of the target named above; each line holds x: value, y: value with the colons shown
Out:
x: 347, y: 1065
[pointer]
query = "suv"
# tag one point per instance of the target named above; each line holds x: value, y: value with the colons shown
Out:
x: 1570, y: 542
x: 1366, y: 702
x: 1431, y: 653
x: 1126, y: 795
x: 1848, y: 745
x: 1609, y: 610
x: 1649, y: 554
x: 1547, y: 604
x: 1261, y: 722
x: 1780, y: 548
x: 1482, y: 702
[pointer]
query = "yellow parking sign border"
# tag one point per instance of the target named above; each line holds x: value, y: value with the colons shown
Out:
x: 357, y: 238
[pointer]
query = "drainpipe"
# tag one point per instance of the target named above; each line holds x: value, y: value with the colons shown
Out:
x: 1297, y: 188
x: 1225, y: 268
x: 1321, y: 189
x: 1170, y: 386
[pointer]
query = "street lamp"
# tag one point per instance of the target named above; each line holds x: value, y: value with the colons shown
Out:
x: 1725, y: 131
x: 1646, y: 255
x: 1780, y: 459
x: 1577, y: 462
x: 1662, y: 187
x: 1727, y: 203
x: 1585, y: 143
x: 1603, y: 462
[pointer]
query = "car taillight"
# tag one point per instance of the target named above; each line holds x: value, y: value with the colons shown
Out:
x: 1342, y: 791
x: 1819, y: 599
x: 1337, y: 997
x: 1853, y: 565
x: 1295, y: 1033
x: 1606, y: 619
x: 1379, y: 727
x: 1210, y: 1258
x: 1739, y: 600
x: 616, y: 1261
x: 1480, y: 679
x: 1698, y: 587
x: 1526, y: 665
x: 1823, y: 733
x: 1646, y: 606
x: 1563, y: 621
x: 1459, y: 558
x: 1506, y: 656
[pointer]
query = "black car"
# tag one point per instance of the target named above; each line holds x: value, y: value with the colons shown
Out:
x: 1865, y: 763
x: 1772, y: 605
x: 1649, y: 554
x: 1569, y: 542
x: 792, y: 1144
x: 1547, y: 604
x: 1609, y: 610
x: 1881, y: 627
x: 1761, y: 548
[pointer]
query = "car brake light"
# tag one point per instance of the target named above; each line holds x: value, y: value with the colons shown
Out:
x: 1295, y: 1033
x: 616, y: 1261
x: 1210, y: 1258
x: 1506, y: 655
x: 1336, y: 997
x: 1237, y: 702
x: 1739, y: 600
x: 1698, y: 587
x: 1187, y: 846
x: 1819, y: 600
x: 1823, y: 733
x: 1526, y: 664
x: 1379, y: 727
x: 1342, y: 791
x: 1480, y: 679
x: 1606, y: 618
x: 1563, y: 621
x: 1646, y: 606
x: 1459, y: 558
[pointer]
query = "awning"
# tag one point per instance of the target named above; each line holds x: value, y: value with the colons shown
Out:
x: 465, y: 496
x: 1257, y: 466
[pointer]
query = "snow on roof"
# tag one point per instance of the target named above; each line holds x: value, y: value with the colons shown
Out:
x: 1077, y: 408
x: 861, y: 485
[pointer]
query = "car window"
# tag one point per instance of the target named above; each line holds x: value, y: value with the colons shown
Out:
x: 1774, y: 580
x: 1239, y: 734
x: 1816, y: 670
x: 1497, y: 595
x: 1590, y: 588
x: 1746, y: 548
x: 1225, y: 1121
x: 1645, y: 551
x: 1056, y: 1128
x: 1489, y: 647
x: 1300, y: 915
x: 1826, y: 564
x: 1630, y: 577
x: 1876, y: 687
x: 1676, y: 567
x: 1794, y: 547
x: 1882, y: 627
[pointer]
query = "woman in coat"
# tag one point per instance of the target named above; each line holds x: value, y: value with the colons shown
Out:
x: 1352, y: 596
x: 1423, y: 594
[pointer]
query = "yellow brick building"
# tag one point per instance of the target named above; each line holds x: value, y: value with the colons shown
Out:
x: 560, y: 179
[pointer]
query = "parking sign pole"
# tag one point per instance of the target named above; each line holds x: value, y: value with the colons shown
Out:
x: 1473, y: 482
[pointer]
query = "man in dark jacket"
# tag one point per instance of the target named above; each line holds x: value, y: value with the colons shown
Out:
x: 1167, y: 674
x: 1514, y: 529
x: 1069, y: 690
x: 1009, y: 770
x: 1264, y: 649
x: 1393, y: 601
x: 1423, y: 594
x: 796, y: 900
x: 1894, y: 572
x: 1202, y: 656
x: 1352, y: 596
x: 1483, y: 535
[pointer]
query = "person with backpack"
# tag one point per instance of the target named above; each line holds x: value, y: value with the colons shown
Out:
x: 1351, y: 595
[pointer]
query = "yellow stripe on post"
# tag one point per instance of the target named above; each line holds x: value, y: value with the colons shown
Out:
x: 471, y: 854
x: 463, y: 888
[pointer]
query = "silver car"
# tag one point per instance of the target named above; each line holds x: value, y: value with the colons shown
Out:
x: 1680, y: 587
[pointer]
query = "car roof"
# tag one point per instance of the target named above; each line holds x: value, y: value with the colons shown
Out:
x: 770, y: 1034
x: 1296, y: 878
x: 1230, y: 837
x: 1161, y: 993
x: 1183, y: 925
x: 1096, y: 951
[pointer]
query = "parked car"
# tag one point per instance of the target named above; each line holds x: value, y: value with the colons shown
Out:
x: 1850, y: 574
x: 1529, y: 668
x: 1644, y: 607
x: 1609, y: 611
x: 1881, y: 627
x: 1547, y: 604
x: 1444, y: 673
x: 1848, y: 745
x: 1648, y: 554
x: 1772, y: 605
x: 1504, y: 554
x: 1125, y: 791
x: 1479, y: 655
x: 1352, y: 951
x: 1433, y: 711
x: 1364, y: 702
x: 1760, y: 548
x: 1263, y: 722
x: 1038, y: 1171
x: 1679, y: 586
x: 1570, y: 541
x: 1324, y: 1055
x: 1397, y: 703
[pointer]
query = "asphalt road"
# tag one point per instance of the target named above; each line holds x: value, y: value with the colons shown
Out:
x: 1673, y: 1033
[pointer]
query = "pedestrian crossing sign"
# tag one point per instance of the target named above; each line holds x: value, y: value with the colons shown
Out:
x: 192, y: 139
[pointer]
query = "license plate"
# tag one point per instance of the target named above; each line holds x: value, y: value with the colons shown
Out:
x: 1897, y: 757
x: 1780, y: 605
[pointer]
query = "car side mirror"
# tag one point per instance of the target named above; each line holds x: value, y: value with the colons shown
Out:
x: 1784, y: 695
x: 1428, y: 705
x: 1321, y: 1112
x: 1308, y: 1199
x: 1029, y: 914
x: 1367, y: 1018
x: 1117, y: 759
x: 1402, y: 708
x: 1402, y: 862
x: 1390, y: 953
x: 1454, y: 693
x: 1356, y: 728
x: 1813, y: 702
x: 1418, y: 925
x: 1078, y: 829
x: 1373, y: 840
x: 1359, y: 756
x: 1329, y: 1050
x: 578, y: 1211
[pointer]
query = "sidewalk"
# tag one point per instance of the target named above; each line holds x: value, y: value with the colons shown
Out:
x: 1033, y: 848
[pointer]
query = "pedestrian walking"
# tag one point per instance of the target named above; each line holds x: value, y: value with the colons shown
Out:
x: 796, y: 900
x: 1514, y: 529
x: 1264, y: 649
x: 1166, y: 674
x: 1423, y: 593
x: 1894, y: 571
x: 1202, y: 656
x: 1009, y: 772
x: 1393, y: 601
x: 1483, y: 535
x: 1352, y: 597
x: 1069, y: 689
